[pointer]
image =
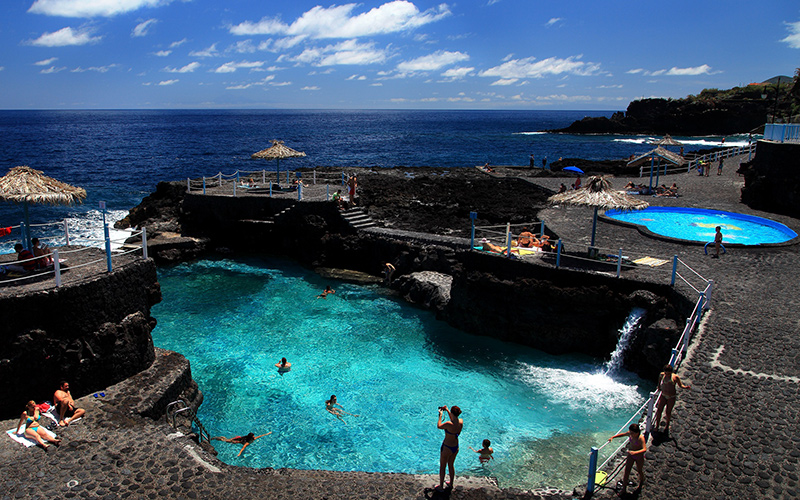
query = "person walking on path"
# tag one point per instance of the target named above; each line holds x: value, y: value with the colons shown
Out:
x: 449, y: 448
x: 637, y: 446
x: 668, y: 383
x: 717, y: 242
x: 533, y: 161
x: 719, y: 166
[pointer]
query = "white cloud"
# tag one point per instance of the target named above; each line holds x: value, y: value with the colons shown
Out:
x: 530, y: 68
x: 2, y: 68
x: 65, y: 36
x: 347, y: 52
x: 189, y: 68
x: 505, y: 81
x: 243, y: 47
x: 457, y: 73
x: 168, y: 82
x: 356, y: 77
x: 338, y: 21
x: 162, y: 53
x: 609, y: 87
x: 432, y: 62
x: 230, y: 67
x: 177, y: 44
x: 280, y: 84
x: 312, y: 87
x: 563, y: 98
x: 46, y: 62
x: 705, y: 69
x: 244, y: 86
x: 635, y: 71
x: 91, y: 8
x: 377, y: 84
x: 794, y: 38
x: 52, y: 69
x: 141, y: 28
x: 98, y: 69
x: 207, y: 52
x: 552, y: 21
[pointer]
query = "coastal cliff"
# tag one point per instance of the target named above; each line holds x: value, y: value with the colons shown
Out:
x: 772, y: 179
x: 93, y: 333
x: 713, y: 112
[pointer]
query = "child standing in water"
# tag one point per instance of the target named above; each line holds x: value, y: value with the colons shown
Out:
x: 485, y: 452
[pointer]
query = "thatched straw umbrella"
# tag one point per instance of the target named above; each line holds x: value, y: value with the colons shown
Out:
x: 26, y: 185
x: 659, y: 153
x: 276, y: 152
x: 597, y: 193
x: 667, y: 140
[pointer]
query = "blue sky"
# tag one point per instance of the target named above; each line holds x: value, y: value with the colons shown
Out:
x: 460, y: 54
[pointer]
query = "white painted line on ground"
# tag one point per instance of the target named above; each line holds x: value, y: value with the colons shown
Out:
x: 200, y: 461
x: 715, y: 363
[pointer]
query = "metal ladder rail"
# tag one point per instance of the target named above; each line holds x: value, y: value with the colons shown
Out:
x: 202, y: 432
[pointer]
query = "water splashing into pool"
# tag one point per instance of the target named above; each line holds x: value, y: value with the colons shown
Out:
x: 614, y: 365
x: 386, y: 361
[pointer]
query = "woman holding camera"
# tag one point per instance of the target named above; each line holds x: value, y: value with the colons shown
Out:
x: 449, y: 449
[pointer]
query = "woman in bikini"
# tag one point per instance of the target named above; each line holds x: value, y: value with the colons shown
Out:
x: 30, y: 417
x: 242, y: 440
x: 668, y: 383
x: 449, y: 449
x: 637, y: 446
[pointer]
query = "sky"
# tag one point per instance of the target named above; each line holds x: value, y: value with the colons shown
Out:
x: 385, y: 54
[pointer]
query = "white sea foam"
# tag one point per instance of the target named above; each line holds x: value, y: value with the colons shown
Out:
x: 85, y: 229
x: 581, y: 389
x: 705, y: 142
x: 530, y: 133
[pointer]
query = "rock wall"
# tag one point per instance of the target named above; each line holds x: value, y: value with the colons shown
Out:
x: 772, y: 179
x: 93, y: 334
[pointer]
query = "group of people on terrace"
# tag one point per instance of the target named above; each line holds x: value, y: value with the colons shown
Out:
x: 66, y: 412
x: 40, y: 256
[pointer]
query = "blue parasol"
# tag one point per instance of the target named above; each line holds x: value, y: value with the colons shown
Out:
x: 573, y: 169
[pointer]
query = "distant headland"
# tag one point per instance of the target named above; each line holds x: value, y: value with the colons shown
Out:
x: 739, y: 110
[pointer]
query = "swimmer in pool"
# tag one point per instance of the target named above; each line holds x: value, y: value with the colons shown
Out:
x: 243, y: 440
x: 284, y: 366
x: 331, y: 406
x: 485, y: 452
x: 324, y: 295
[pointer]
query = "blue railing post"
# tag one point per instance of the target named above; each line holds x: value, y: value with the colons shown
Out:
x: 270, y: 189
x: 57, y: 267
x: 144, y: 242
x: 592, y: 470
x: 188, y: 185
x: 558, y: 254
x: 619, y: 262
x: 235, y: 183
x: 472, y: 217
x: 674, y: 270
x: 327, y: 192
x: 299, y: 191
x: 673, y: 360
x: 508, y: 240
x: 542, y: 229
x: 204, y: 184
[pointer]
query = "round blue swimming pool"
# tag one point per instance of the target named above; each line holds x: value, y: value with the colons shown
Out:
x: 699, y: 224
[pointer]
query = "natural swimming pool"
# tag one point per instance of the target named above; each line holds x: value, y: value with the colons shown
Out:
x: 389, y: 362
x: 699, y: 224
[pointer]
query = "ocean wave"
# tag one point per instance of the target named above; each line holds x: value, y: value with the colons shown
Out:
x: 85, y: 229
x: 530, y: 133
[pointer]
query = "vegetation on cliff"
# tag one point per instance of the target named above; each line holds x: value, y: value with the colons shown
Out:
x: 711, y: 112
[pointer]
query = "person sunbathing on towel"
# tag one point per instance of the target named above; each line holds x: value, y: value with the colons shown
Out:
x: 526, y: 238
x: 31, y: 417
x: 66, y: 405
x: 242, y: 440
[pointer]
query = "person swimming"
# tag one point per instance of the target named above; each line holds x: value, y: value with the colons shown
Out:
x: 284, y: 366
x: 331, y: 406
x: 243, y: 440
x: 328, y: 290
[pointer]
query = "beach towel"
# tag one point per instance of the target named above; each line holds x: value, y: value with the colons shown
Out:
x: 650, y: 261
x: 23, y: 439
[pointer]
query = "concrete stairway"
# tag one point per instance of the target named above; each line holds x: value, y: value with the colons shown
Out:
x: 357, y: 218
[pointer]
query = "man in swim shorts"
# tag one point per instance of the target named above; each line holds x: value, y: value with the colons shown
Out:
x: 67, y: 412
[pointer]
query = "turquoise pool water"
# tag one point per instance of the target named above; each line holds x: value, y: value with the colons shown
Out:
x: 698, y: 224
x: 392, y: 364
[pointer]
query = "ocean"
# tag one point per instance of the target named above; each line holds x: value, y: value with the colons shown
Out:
x: 119, y: 156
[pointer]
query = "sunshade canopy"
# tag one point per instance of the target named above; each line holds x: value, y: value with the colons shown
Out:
x: 277, y: 152
x: 659, y: 152
x: 597, y: 192
x: 26, y: 185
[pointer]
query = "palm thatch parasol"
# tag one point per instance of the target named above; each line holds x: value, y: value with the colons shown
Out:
x: 667, y: 140
x: 659, y: 153
x: 26, y: 185
x: 597, y: 193
x: 277, y: 152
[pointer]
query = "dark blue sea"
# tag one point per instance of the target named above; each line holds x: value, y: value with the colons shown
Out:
x: 120, y: 156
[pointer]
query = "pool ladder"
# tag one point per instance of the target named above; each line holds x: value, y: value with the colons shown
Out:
x: 180, y: 407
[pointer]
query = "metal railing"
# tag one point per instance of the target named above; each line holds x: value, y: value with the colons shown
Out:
x: 180, y: 407
x: 710, y: 158
x: 242, y: 181
x: 782, y: 132
x: 646, y: 411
